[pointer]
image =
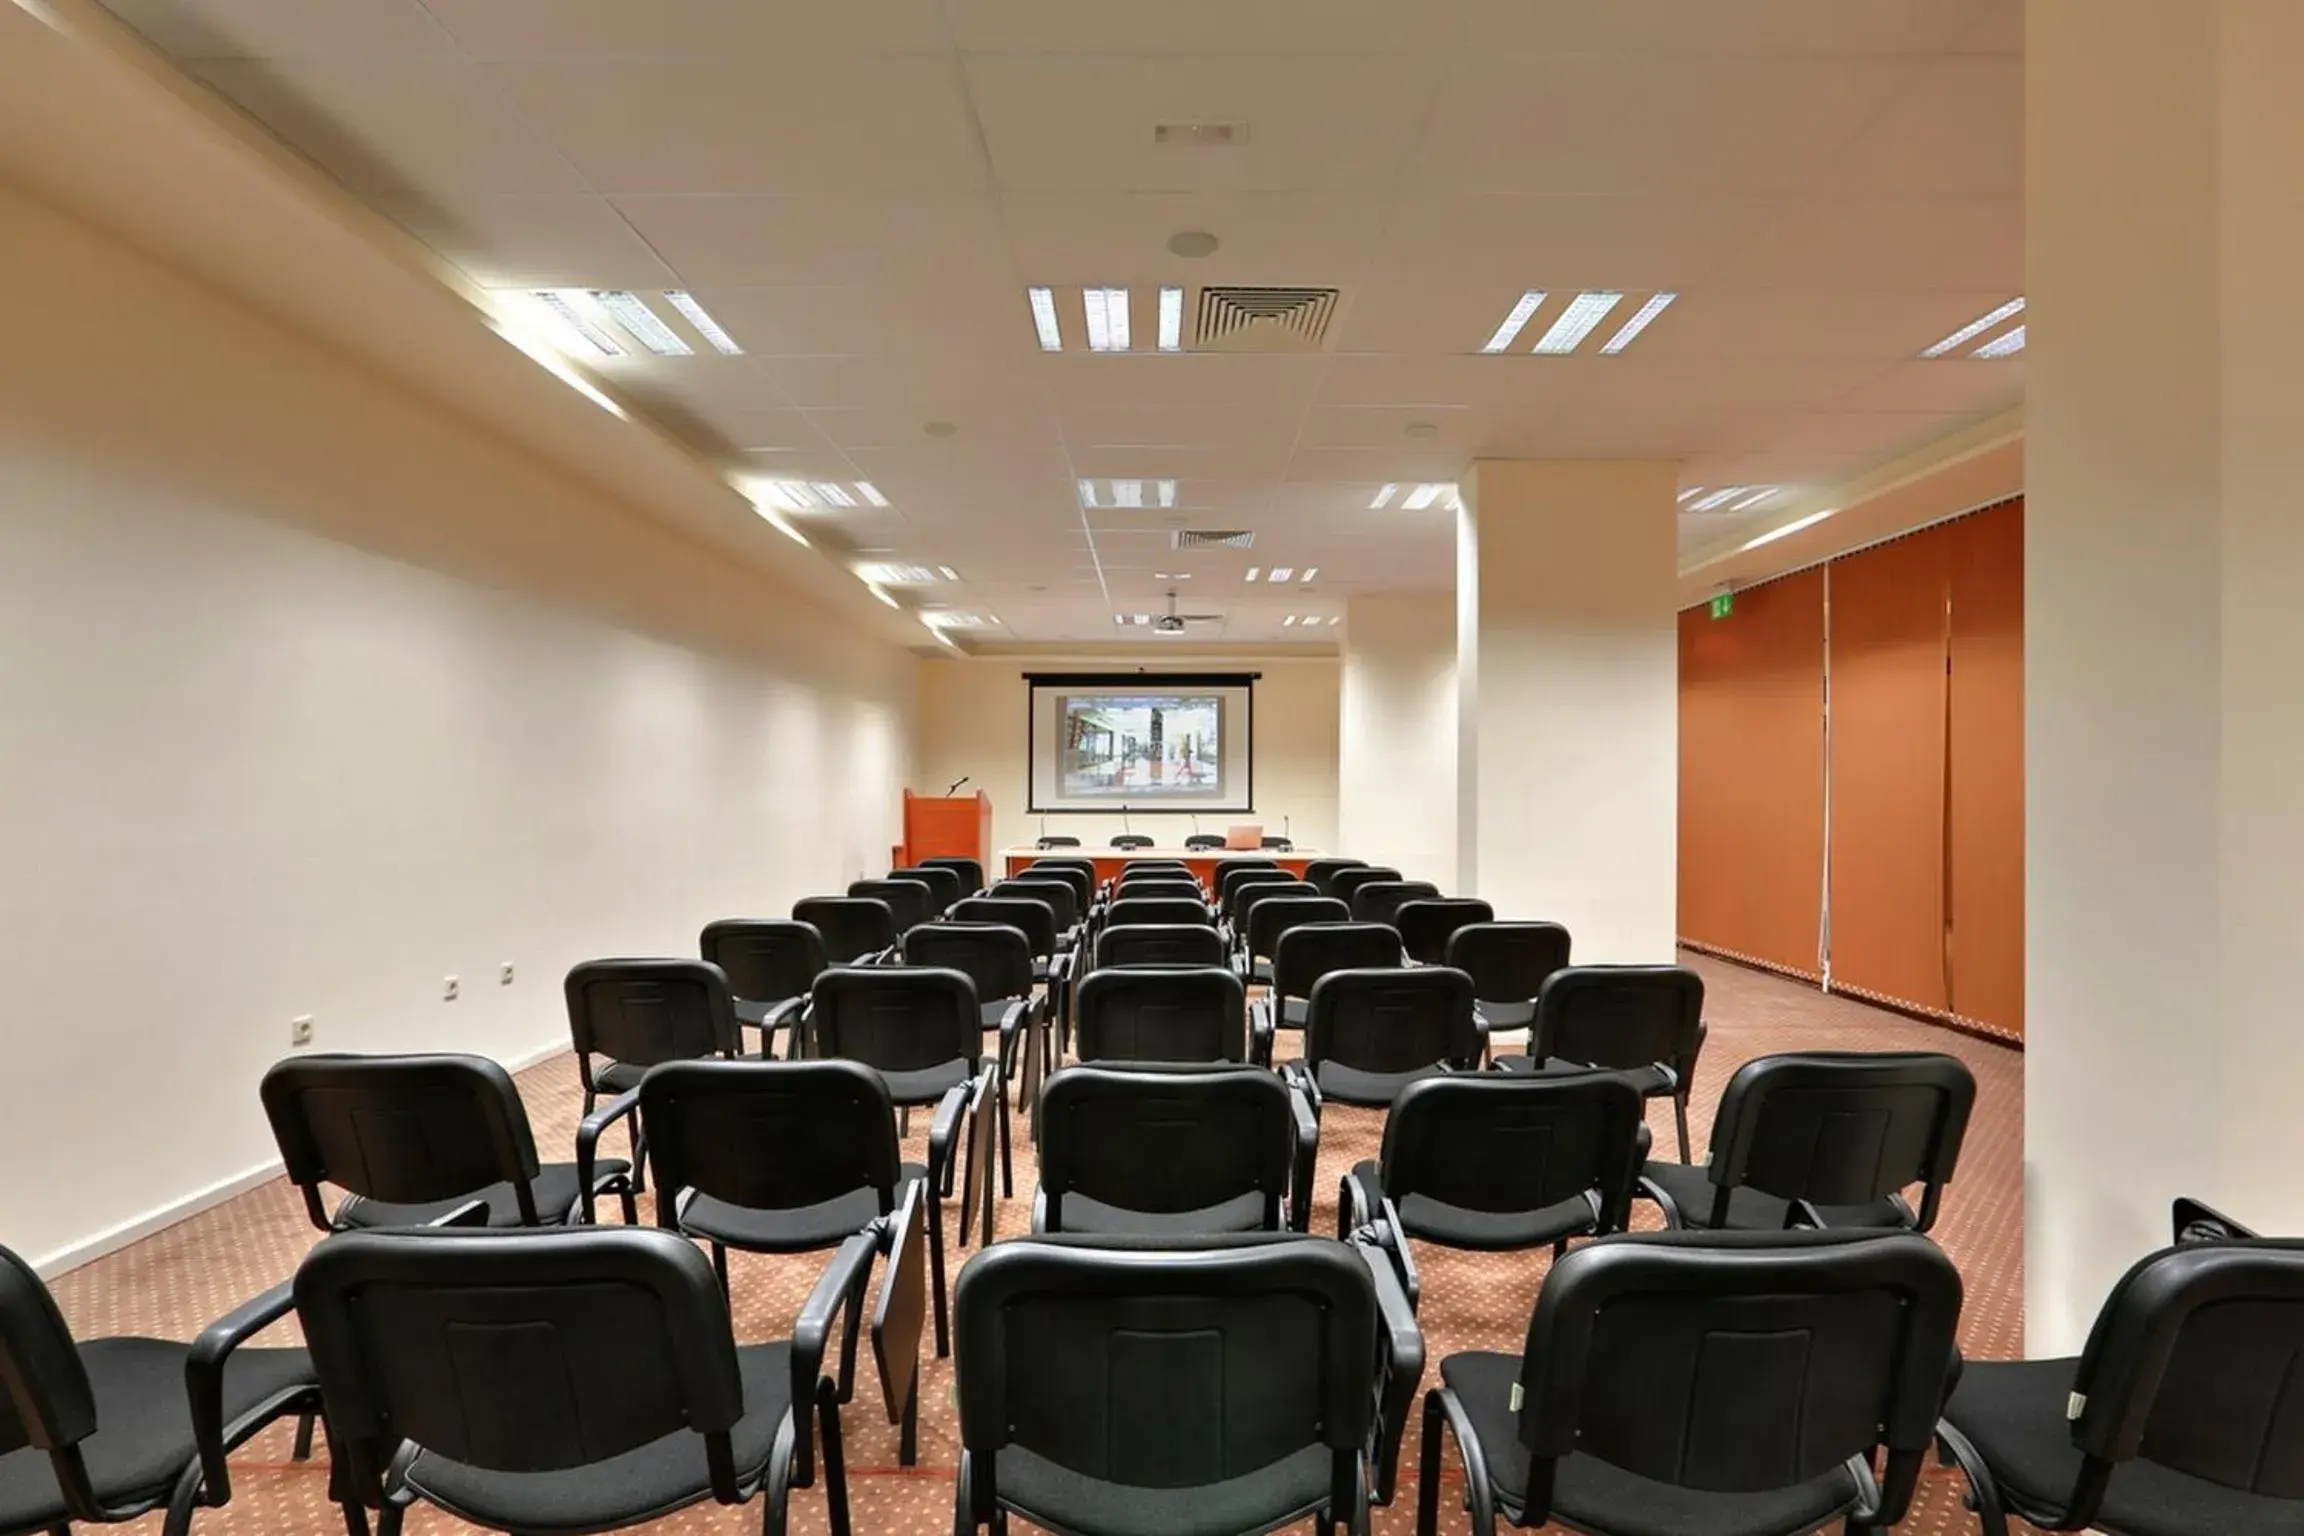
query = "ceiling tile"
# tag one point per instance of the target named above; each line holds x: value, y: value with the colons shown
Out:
x: 1267, y: 238
x: 903, y: 315
x: 1950, y: 384
x: 1812, y: 28
x: 1912, y: 245
x: 769, y: 34
x: 1889, y: 327
x: 1202, y: 26
x: 829, y: 240
x: 259, y: 29
x: 535, y: 240
x: 1957, y: 132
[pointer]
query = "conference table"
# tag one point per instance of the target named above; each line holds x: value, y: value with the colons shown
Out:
x: 1203, y: 862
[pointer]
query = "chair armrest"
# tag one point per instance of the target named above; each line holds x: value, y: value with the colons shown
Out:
x: 837, y: 1289
x: 784, y: 1012
x: 1299, y: 1077
x: 204, y: 1377
x: 1616, y: 1209
x: 1012, y: 1018
x: 1261, y: 1030
x: 1393, y: 1238
x: 588, y: 1143
x: 1684, y: 1070
x: 1403, y: 1374
x: 2193, y: 1222
x: 1307, y: 1159
x: 947, y: 1122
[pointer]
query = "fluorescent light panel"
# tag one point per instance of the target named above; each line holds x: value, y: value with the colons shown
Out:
x: 950, y: 618
x: 1691, y: 494
x: 1640, y: 321
x: 1107, y: 494
x: 561, y: 306
x: 1714, y: 500
x: 1106, y: 312
x: 947, y: 573
x: 1530, y: 302
x: 833, y: 495
x: 871, y: 493
x: 631, y: 311
x: 889, y: 574
x: 2003, y: 346
x: 1310, y: 571
x: 706, y: 326
x: 1384, y: 498
x: 1280, y: 573
x: 1423, y: 496
x: 1171, y: 319
x: 1579, y: 320
x: 1044, y: 319
x: 1253, y: 571
x: 1974, y: 329
x: 1790, y: 528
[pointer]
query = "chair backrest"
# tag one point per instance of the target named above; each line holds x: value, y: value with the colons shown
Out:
x: 1267, y: 916
x: 1202, y: 841
x: 404, y: 1130
x: 1508, y: 962
x: 770, y: 1135
x: 1131, y: 840
x: 1427, y: 923
x: 1164, y: 1141
x: 1168, y: 887
x: 1167, y: 1368
x: 943, y: 885
x: 1031, y: 915
x: 1131, y: 908
x: 1374, y: 901
x: 1391, y: 1020
x: 49, y: 1404
x: 1842, y: 1127
x: 1135, y: 867
x: 1301, y: 956
x: 1232, y: 871
x: 1164, y: 1013
x: 528, y: 1352
x: 1322, y: 872
x: 1500, y: 1143
x: 2190, y: 1366
x: 994, y: 956
x: 1059, y: 893
x: 1166, y: 944
x: 1345, y: 883
x: 909, y: 901
x: 852, y: 926
x: 1739, y: 1362
x: 1619, y: 1016
x: 1249, y: 895
x: 897, y: 1018
x: 1056, y: 840
x: 1239, y: 882
x: 641, y: 1012
x: 1080, y: 874
x: 767, y: 959
x: 1279, y: 844
x: 970, y: 872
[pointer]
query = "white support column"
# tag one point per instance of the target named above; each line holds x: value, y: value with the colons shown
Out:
x: 1568, y: 699
x: 1397, y: 765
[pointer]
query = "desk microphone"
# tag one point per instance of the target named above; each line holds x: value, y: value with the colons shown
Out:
x: 1287, y: 830
x: 956, y: 783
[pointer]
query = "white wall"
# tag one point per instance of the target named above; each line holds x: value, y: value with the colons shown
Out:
x: 1396, y: 774
x: 972, y: 721
x: 249, y: 772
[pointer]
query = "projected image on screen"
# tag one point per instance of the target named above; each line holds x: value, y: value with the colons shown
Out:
x: 1142, y: 749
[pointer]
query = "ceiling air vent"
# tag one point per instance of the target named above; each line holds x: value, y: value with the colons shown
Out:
x: 1264, y: 319
x: 1212, y: 538
x: 1200, y: 135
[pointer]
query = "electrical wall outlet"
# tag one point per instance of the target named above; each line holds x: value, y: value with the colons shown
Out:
x: 448, y: 993
x: 504, y: 976
x: 300, y: 1029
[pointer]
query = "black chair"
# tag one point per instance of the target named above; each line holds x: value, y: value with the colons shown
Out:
x: 1375, y: 901
x: 1034, y: 917
x: 1167, y: 1151
x: 2175, y: 1420
x: 1235, y: 1385
x: 920, y: 1030
x: 1201, y: 842
x: 1427, y: 923
x: 1825, y: 1139
x: 856, y: 930
x: 1131, y: 908
x: 1268, y: 911
x: 636, y: 1013
x: 1165, y: 944
x: 1508, y: 963
x: 1080, y: 874
x: 1130, y: 841
x: 998, y: 960
x: 1301, y: 956
x: 1491, y: 1164
x: 1345, y: 883
x: 1056, y: 840
x: 1720, y: 1382
x: 1321, y: 872
x: 1279, y: 844
x: 1060, y: 895
x: 1174, y: 1013
x: 1370, y: 1034
x: 1247, y: 894
x: 1644, y: 1019
x: 910, y: 902
x: 1153, y: 866
x: 970, y: 872
x: 1233, y: 878
x: 1176, y: 888
x: 111, y: 1429
x: 1231, y: 869
x: 770, y: 964
x: 419, y: 1140
x: 943, y: 885
x: 578, y: 1381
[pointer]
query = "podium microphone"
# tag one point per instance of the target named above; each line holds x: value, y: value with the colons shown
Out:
x: 956, y: 783
x: 1287, y: 829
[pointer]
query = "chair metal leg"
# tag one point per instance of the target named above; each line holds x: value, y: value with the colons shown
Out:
x: 355, y: 1520
x: 186, y: 1498
x: 936, y: 1259
x: 835, y: 1470
x: 305, y: 1423
x: 1007, y: 1171
x: 720, y: 1268
x: 624, y: 1198
x: 390, y: 1518
x: 908, y: 1433
x: 848, y: 1336
x: 1680, y: 1120
x: 1983, y: 1492
x: 1428, y: 1470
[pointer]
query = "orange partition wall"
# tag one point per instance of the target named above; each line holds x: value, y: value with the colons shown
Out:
x: 1984, y: 838
x: 1752, y: 775
x: 1888, y: 745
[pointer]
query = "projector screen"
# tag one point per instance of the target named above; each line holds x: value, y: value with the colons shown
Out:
x: 1141, y: 742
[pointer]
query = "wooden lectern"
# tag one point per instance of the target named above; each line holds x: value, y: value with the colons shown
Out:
x: 955, y: 826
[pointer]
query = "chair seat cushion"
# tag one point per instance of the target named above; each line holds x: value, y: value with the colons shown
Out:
x: 997, y: 1009
x: 1065, y: 1500
x: 1690, y: 1188
x: 1260, y: 970
x: 616, y: 1077
x: 650, y: 1480
x: 926, y: 1085
x: 1294, y: 1011
x: 1457, y: 1226
x: 1350, y: 1085
x: 799, y: 1229
x: 1504, y: 1015
x: 1594, y: 1495
x: 755, y: 1013
x: 555, y: 1189
x: 2013, y: 1411
x: 1652, y: 1081
x: 143, y: 1438
x: 1241, y: 1213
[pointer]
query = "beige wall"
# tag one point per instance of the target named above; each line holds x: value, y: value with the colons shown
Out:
x: 311, y: 696
x: 1397, y: 770
x: 971, y: 721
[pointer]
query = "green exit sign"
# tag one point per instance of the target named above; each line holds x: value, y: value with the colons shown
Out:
x: 1723, y: 604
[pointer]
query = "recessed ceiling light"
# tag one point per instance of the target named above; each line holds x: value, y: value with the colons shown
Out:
x: 834, y: 495
x: 1106, y: 311
x: 1280, y: 573
x: 1139, y: 618
x: 947, y: 573
x: 561, y: 306
x: 1335, y: 618
x: 1310, y: 571
x: 1192, y: 244
x: 632, y: 312
x: 1291, y: 619
x: 1171, y: 319
x: 871, y: 493
x: 1044, y: 319
x: 889, y: 574
x: 706, y: 326
x: 1579, y: 320
x: 2003, y: 346
x: 1171, y: 575
x: 1422, y: 497
x: 1384, y: 497
x: 1107, y: 494
x: 1790, y: 528
x: 1976, y: 328
x: 1641, y: 319
x: 1529, y: 303
x: 1253, y: 570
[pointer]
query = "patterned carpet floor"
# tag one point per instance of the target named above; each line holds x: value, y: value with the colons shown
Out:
x: 173, y: 1283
